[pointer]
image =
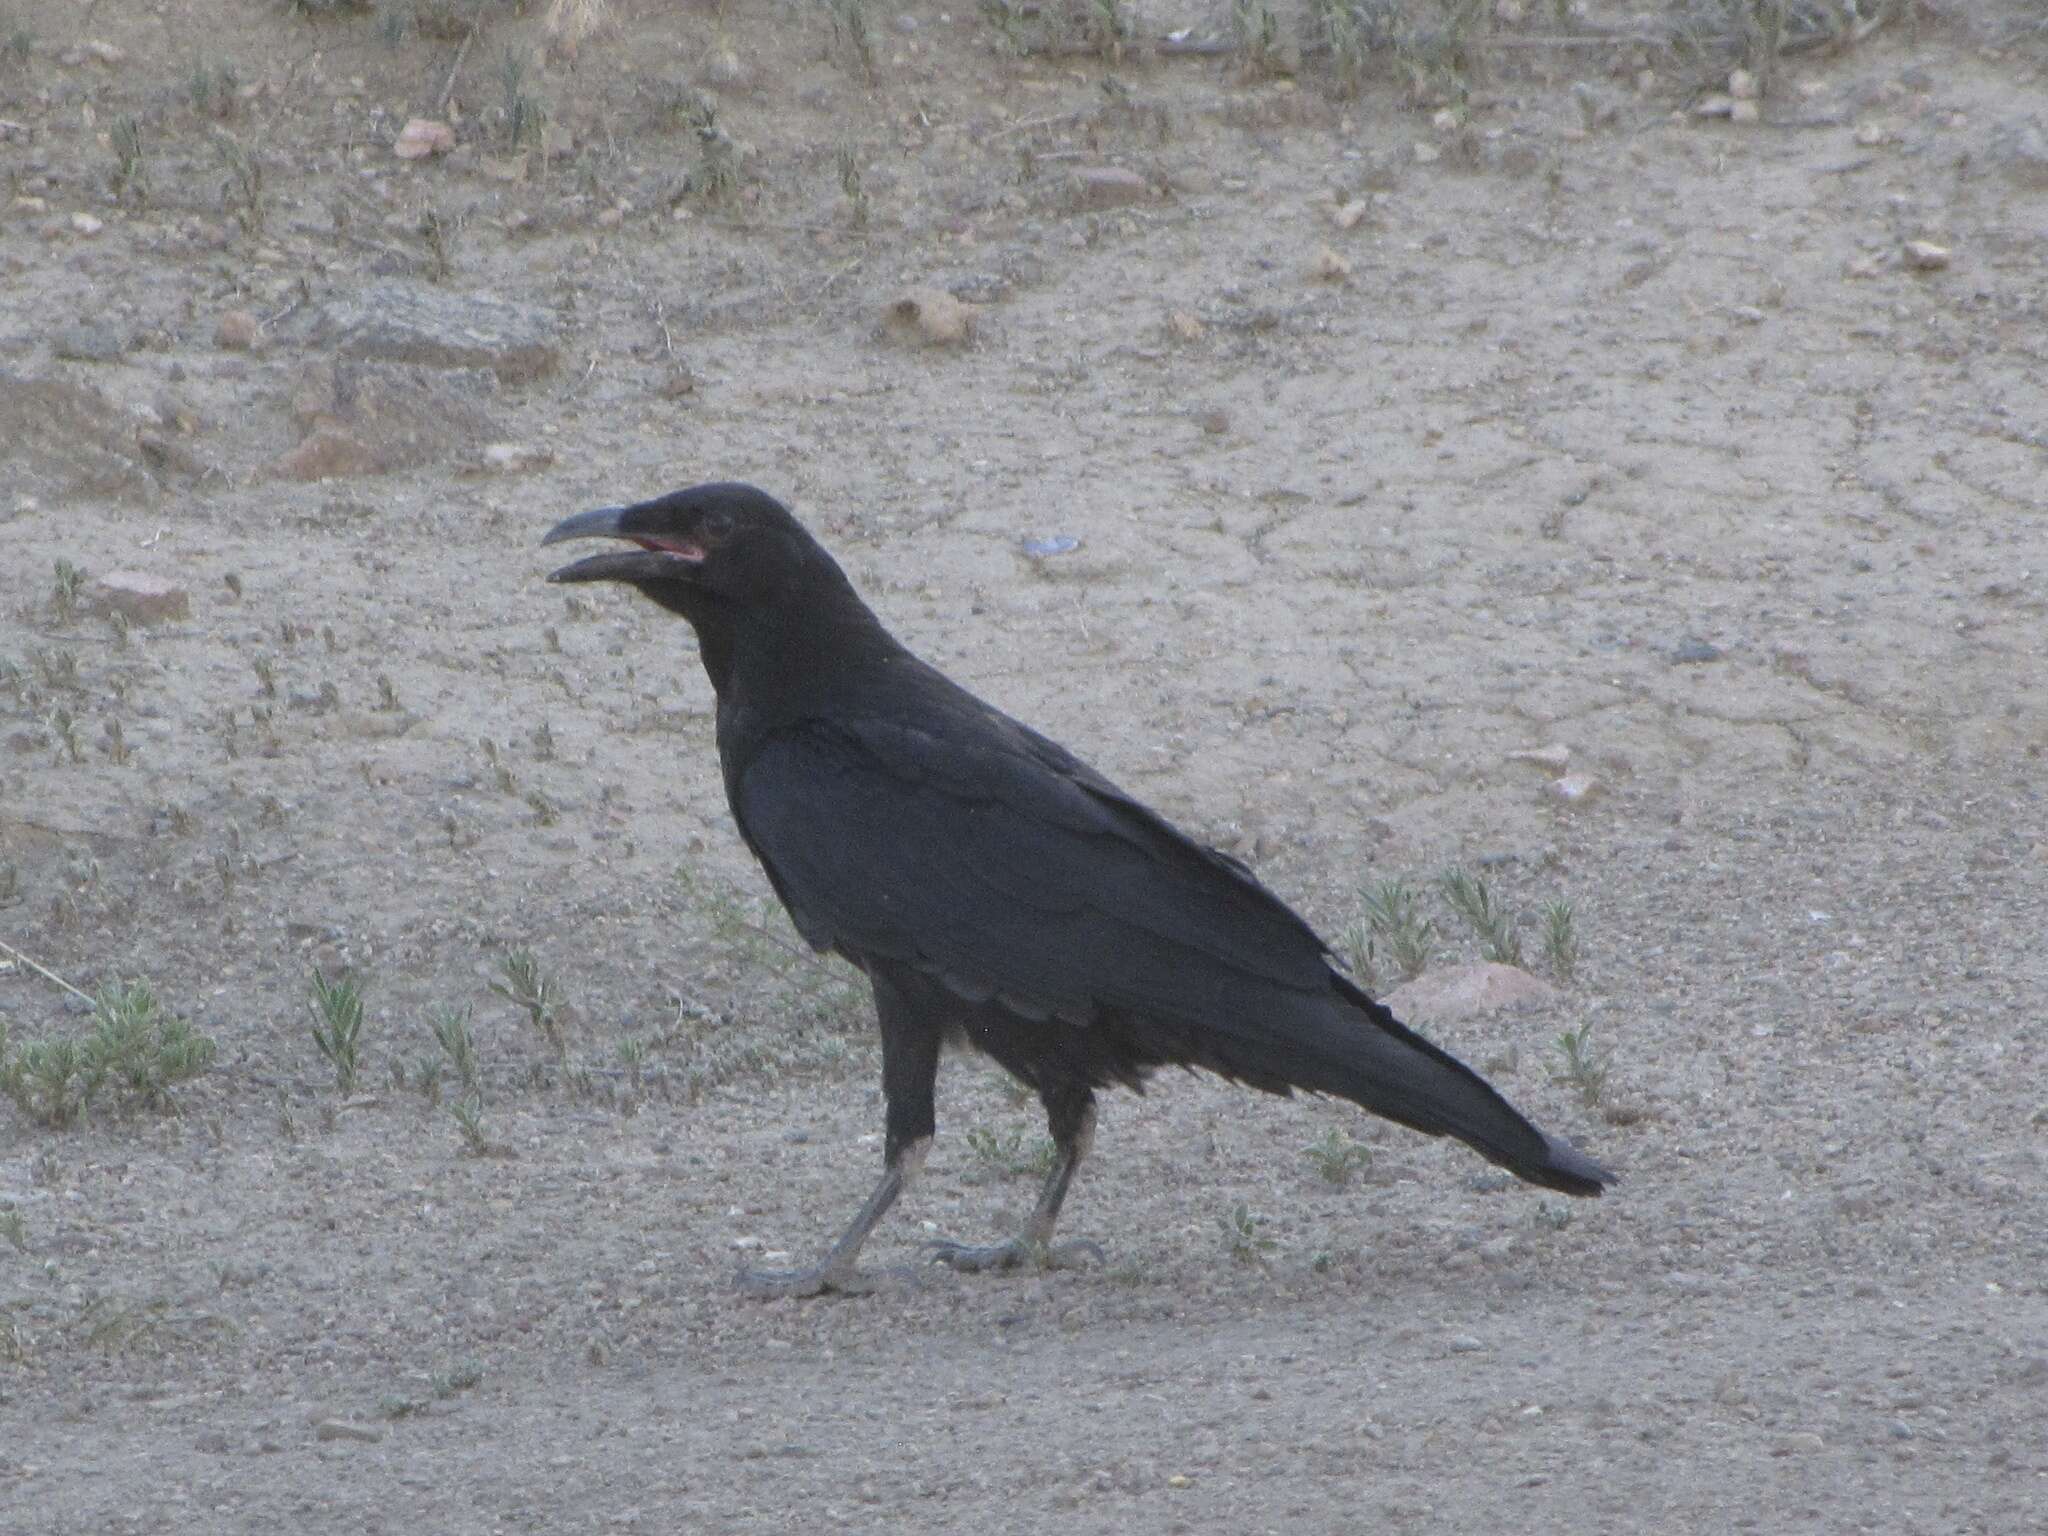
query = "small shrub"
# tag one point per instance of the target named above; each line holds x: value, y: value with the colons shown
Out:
x: 1473, y: 900
x: 457, y: 1040
x: 1010, y: 1153
x: 337, y: 1008
x: 539, y: 994
x: 1583, y: 1065
x: 1337, y: 1157
x: 1396, y: 924
x: 1561, y: 940
x: 1242, y: 1235
x: 134, y: 1047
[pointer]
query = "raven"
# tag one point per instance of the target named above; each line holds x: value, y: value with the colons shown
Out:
x: 996, y: 889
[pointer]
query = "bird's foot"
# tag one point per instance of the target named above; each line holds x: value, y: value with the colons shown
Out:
x: 811, y: 1280
x: 1016, y: 1253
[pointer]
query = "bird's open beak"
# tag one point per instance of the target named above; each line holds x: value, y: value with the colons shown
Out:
x: 659, y: 558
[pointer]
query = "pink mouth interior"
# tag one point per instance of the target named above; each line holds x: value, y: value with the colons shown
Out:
x: 691, y: 552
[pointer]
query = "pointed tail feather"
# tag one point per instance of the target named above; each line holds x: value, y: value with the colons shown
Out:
x: 1361, y: 1052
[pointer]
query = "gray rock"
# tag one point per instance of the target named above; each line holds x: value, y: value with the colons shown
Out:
x: 405, y: 323
x: 345, y: 1429
x: 89, y: 343
x: 366, y: 419
x: 2020, y: 150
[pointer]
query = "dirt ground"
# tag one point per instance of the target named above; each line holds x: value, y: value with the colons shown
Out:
x: 1355, y: 444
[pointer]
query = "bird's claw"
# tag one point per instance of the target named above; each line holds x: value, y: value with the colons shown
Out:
x: 1015, y: 1253
x: 811, y: 1280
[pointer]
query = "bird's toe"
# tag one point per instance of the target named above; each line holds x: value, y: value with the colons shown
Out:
x: 811, y: 1280
x: 976, y: 1258
x: 1078, y: 1253
x: 1015, y: 1253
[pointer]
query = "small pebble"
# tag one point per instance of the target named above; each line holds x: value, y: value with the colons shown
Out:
x: 1108, y: 186
x: 422, y: 137
x: 1598, y: 108
x: 345, y: 1429
x: 1926, y: 256
x: 931, y: 316
x: 1053, y: 544
x: 725, y: 71
x: 514, y: 458
x: 235, y: 331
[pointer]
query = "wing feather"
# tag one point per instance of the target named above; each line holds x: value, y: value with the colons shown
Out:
x: 1009, y: 875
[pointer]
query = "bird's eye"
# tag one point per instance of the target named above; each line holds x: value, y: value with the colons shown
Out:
x: 715, y: 525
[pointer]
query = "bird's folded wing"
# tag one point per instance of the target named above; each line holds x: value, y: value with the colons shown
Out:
x: 1008, y: 875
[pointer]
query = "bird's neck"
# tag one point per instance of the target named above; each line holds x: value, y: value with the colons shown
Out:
x: 787, y: 656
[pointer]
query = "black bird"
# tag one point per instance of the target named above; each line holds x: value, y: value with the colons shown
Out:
x: 995, y: 888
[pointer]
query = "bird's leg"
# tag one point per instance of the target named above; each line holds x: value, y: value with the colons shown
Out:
x: 1072, y: 1117
x: 836, y: 1271
x: 910, y: 1071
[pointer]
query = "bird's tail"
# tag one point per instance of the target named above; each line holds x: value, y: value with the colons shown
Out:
x: 1364, y: 1054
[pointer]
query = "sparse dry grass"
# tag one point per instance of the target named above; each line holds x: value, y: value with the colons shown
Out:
x: 569, y: 22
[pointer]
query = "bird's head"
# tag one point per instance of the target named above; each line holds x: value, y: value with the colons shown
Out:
x: 721, y: 541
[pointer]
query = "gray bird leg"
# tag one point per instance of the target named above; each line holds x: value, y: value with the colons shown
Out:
x: 910, y: 1071
x: 1073, y: 1132
x: 836, y: 1271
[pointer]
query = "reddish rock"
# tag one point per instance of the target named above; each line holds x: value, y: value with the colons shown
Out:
x: 421, y: 137
x: 140, y: 598
x: 1463, y: 991
x: 1108, y: 186
x: 328, y: 454
x: 236, y: 331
